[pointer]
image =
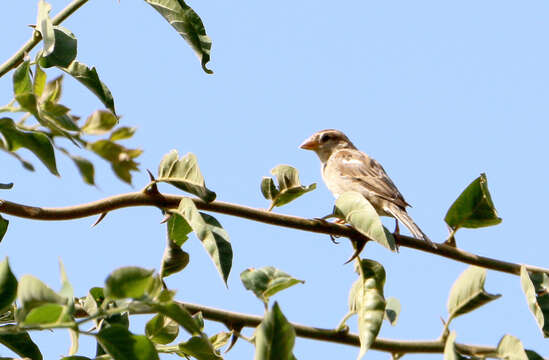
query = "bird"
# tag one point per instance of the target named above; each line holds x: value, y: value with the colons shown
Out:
x: 345, y: 168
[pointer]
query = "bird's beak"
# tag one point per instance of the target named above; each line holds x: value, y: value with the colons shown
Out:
x: 309, y: 144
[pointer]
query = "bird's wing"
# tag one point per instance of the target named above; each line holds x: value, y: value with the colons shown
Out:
x: 355, y: 165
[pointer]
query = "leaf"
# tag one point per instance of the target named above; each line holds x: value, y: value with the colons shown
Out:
x: 179, y: 315
x: 67, y: 290
x: 467, y: 292
x: 289, y: 186
x: 510, y: 347
x: 58, y: 115
x: 39, y: 81
x: 45, y: 26
x: 358, y: 212
x: 161, y: 329
x: 75, y: 357
x: 537, y: 297
x: 188, y: 24
x: 6, y: 186
x: 86, y: 169
x: 122, y: 133
x: 532, y: 355
x: 64, y: 52
x: 199, y: 347
x: 220, y: 339
x: 267, y: 281
x: 19, y: 342
x: 174, y: 259
x: 213, y: 237
x: 392, y: 310
x: 52, y: 91
x: 184, y: 174
x: 74, y: 341
x: 8, y: 285
x: 128, y: 282
x: 369, y: 302
x: 35, y: 141
x: 450, y: 352
x: 274, y: 337
x: 45, y: 315
x: 121, y: 158
x: 268, y: 188
x: 178, y: 229
x: 473, y: 208
x: 100, y: 122
x: 89, y: 78
x: 22, y: 83
x: 33, y: 293
x: 121, y: 344
x: 3, y: 228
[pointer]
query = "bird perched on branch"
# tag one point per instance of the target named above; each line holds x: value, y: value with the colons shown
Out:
x: 345, y: 168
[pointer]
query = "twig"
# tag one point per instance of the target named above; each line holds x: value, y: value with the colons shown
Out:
x: 294, y: 222
x: 18, y: 57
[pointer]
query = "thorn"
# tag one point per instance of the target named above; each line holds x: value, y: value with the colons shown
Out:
x: 151, y: 176
x: 360, y: 243
x: 333, y: 238
x: 236, y: 333
x: 100, y: 218
x: 166, y: 218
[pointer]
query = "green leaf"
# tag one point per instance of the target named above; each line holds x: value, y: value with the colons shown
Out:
x: 450, y: 352
x: 45, y: 26
x: 86, y: 169
x: 19, y: 342
x: 473, y: 208
x: 369, y: 303
x: 52, y: 91
x: 58, y: 115
x: 121, y: 344
x: 67, y: 290
x: 8, y: 284
x: 161, y: 329
x: 3, y: 228
x: 122, y: 133
x: 274, y: 337
x: 220, y: 339
x: 33, y: 293
x: 22, y: 83
x: 467, y: 293
x: 39, y: 81
x: 89, y: 78
x: 184, y: 174
x: 100, y: 122
x: 188, y: 24
x: 64, y: 52
x: 35, y: 141
x: 532, y: 355
x: 6, y: 186
x: 289, y: 186
x: 199, y: 347
x: 128, y: 282
x: 213, y: 237
x: 510, y: 347
x: 268, y: 188
x: 45, y: 314
x: 358, y: 212
x: 537, y: 296
x: 267, y: 281
x: 75, y: 357
x: 121, y: 158
x: 392, y: 310
x: 178, y: 229
x: 174, y: 259
x: 179, y: 315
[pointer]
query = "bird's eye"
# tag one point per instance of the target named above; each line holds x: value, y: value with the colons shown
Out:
x: 325, y: 137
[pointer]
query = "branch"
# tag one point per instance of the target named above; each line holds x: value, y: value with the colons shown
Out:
x: 294, y: 222
x: 234, y: 319
x: 18, y: 57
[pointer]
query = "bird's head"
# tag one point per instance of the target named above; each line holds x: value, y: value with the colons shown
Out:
x: 325, y: 142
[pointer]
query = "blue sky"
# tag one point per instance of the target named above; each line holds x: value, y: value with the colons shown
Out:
x: 438, y: 92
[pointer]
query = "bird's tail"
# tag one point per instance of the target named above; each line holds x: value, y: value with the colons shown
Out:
x: 401, y: 215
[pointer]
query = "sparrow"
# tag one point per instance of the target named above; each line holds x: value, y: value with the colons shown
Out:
x: 345, y: 168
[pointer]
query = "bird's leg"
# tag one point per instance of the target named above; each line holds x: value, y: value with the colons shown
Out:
x: 397, y: 229
x: 338, y: 221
